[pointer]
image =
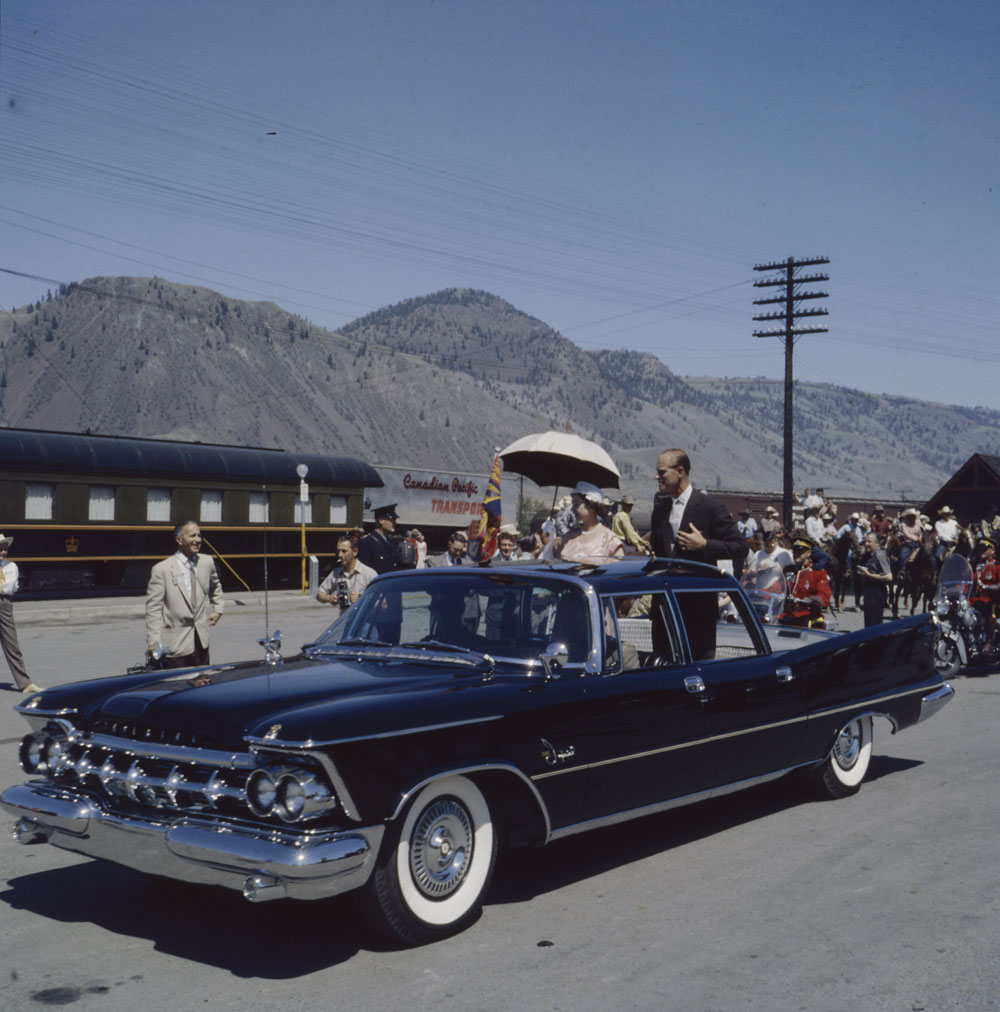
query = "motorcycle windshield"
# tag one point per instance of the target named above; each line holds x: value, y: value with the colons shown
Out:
x: 955, y: 579
x: 766, y: 587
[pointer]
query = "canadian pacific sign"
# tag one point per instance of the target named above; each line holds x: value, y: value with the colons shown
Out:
x: 435, y: 498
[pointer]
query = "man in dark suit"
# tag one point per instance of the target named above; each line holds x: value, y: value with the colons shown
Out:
x: 686, y: 523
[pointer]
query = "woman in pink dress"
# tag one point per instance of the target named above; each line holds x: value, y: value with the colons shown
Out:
x: 591, y: 543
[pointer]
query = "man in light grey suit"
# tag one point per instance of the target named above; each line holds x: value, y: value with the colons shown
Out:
x: 183, y: 599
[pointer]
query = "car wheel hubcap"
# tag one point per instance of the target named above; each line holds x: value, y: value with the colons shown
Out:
x: 441, y: 848
x: 848, y: 745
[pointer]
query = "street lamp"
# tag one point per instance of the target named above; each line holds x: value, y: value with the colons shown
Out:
x: 302, y: 470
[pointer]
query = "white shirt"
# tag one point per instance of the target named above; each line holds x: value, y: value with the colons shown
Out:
x: 8, y: 577
x: 189, y: 563
x: 814, y: 528
x: 947, y: 530
x: 677, y: 510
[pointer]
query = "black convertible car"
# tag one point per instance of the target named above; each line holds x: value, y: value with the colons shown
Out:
x: 451, y: 711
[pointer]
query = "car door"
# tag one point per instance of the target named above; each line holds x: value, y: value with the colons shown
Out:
x: 648, y: 736
x: 751, y: 699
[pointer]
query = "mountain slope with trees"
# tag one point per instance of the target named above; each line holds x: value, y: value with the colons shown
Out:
x: 438, y: 382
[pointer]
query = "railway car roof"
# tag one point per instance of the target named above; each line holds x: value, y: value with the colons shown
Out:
x: 33, y: 450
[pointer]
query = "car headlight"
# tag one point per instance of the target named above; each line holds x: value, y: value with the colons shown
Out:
x: 261, y: 791
x: 30, y: 755
x: 300, y: 795
x: 44, y: 753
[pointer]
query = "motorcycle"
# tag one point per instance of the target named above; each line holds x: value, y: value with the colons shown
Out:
x: 961, y: 636
x: 767, y: 588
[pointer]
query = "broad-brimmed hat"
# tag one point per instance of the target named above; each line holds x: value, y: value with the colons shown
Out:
x: 5, y: 541
x: 386, y: 511
x: 589, y: 492
x: 945, y: 511
x: 770, y: 511
x: 744, y: 513
x: 911, y: 512
x: 854, y: 516
x: 627, y: 500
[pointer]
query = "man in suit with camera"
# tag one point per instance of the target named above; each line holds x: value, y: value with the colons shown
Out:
x: 183, y: 600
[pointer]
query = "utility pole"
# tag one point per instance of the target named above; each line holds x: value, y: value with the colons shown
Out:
x: 793, y: 295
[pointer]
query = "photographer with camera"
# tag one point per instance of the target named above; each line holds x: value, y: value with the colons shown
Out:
x: 346, y: 582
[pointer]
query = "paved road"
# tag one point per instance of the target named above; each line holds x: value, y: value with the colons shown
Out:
x: 764, y: 900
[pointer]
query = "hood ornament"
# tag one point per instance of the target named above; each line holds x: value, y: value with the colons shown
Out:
x: 272, y: 646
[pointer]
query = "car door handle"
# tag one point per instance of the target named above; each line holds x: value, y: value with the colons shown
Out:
x: 694, y: 684
x: 784, y: 674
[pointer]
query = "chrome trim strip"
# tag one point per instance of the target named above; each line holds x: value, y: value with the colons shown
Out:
x: 277, y: 743
x: 171, y: 753
x: 870, y: 701
x: 672, y: 748
x: 663, y: 806
x: 742, y: 731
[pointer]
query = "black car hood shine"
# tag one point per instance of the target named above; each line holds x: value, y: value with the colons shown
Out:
x: 223, y: 704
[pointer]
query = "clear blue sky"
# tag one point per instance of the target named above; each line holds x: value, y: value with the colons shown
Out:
x: 615, y: 169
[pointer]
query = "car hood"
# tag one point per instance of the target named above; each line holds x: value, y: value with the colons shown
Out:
x: 226, y: 703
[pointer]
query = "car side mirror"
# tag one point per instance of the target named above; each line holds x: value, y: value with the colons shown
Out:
x: 555, y: 655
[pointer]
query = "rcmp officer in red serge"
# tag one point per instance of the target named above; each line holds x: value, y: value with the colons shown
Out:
x: 808, y: 590
x: 379, y: 549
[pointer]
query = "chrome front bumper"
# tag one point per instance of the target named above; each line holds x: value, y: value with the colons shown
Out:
x: 265, y: 862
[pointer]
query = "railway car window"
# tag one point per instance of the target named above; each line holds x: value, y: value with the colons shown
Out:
x: 211, y: 507
x: 260, y: 508
x: 338, y: 509
x: 158, y: 504
x: 102, y: 502
x: 308, y: 518
x: 38, y: 502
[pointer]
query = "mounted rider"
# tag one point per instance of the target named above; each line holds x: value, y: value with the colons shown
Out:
x: 947, y: 531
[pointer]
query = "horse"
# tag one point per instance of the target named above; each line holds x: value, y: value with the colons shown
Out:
x: 917, y: 578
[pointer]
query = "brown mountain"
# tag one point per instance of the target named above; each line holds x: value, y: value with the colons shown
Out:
x: 438, y: 382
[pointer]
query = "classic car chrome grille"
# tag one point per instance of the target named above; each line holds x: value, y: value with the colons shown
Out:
x: 125, y: 773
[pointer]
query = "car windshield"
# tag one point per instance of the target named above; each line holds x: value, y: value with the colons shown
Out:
x: 492, y: 613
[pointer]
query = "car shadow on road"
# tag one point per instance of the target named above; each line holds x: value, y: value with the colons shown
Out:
x: 284, y: 940
x: 214, y: 926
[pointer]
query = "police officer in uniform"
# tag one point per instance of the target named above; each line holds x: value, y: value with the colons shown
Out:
x: 379, y: 550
